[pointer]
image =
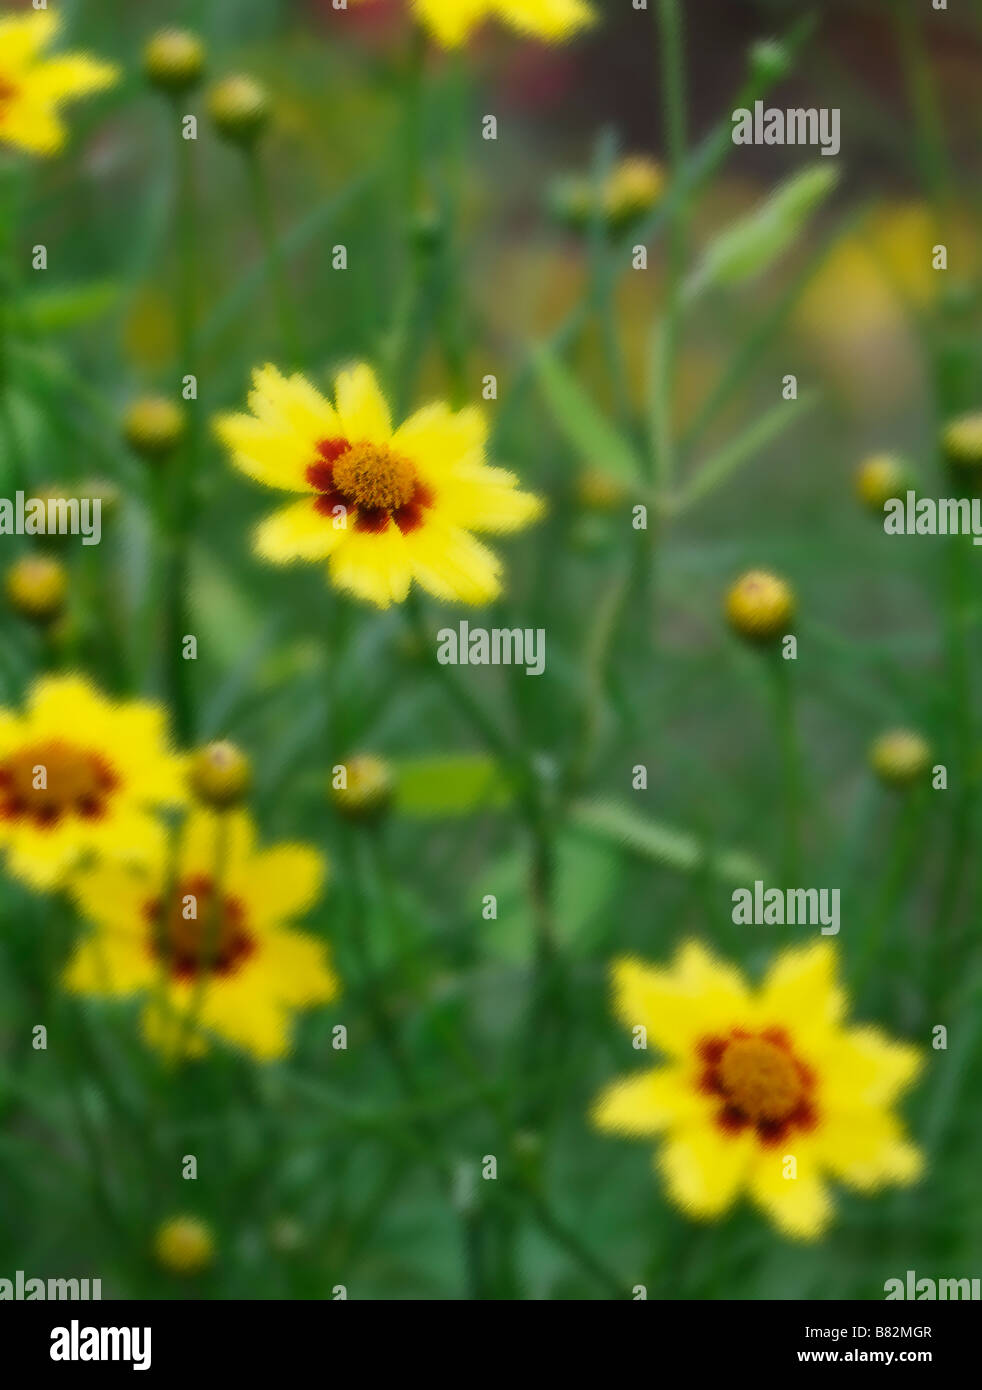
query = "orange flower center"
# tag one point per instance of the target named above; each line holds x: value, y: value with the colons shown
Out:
x: 48, y: 781
x: 375, y: 478
x: 199, y: 930
x: 760, y: 1079
x: 7, y: 93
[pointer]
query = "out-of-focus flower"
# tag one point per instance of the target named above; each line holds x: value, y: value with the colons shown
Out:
x: 597, y: 491
x: 80, y: 774
x: 631, y: 189
x: 879, y: 478
x: 385, y: 506
x: 184, y: 1245
x: 174, y: 60
x: 759, y: 605
x: 451, y: 22
x: 36, y: 587
x: 205, y: 935
x: 154, y: 427
x: 764, y: 1091
x: 962, y: 441
x: 220, y: 774
x: 367, y: 790
x: 900, y: 757
x: 239, y: 108
x: 33, y: 88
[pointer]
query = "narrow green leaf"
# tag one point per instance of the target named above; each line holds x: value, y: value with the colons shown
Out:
x: 723, y: 464
x: 666, y: 845
x: 582, y: 424
x: 58, y: 309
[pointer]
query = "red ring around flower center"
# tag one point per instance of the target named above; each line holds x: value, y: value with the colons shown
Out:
x: 45, y: 782
x: 760, y: 1082
x: 371, y: 481
x: 197, y: 932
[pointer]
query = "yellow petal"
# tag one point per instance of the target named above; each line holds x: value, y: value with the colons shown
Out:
x: 452, y: 565
x: 107, y: 963
x: 451, y: 21
x: 800, y: 1206
x: 863, y: 1067
x: 298, y: 971
x: 705, y: 1169
x: 23, y: 37
x: 71, y: 75
x: 285, y: 882
x: 554, y: 20
x: 802, y: 989
x: 698, y: 997
x: 647, y: 1103
x: 868, y: 1150
x: 362, y: 407
x: 297, y: 532
x: 373, y: 566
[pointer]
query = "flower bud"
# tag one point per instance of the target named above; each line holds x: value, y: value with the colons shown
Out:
x: 184, y: 1245
x: 220, y: 775
x: 961, y: 441
x: 239, y: 108
x: 368, y: 790
x: 173, y: 60
x: 900, y: 757
x: 759, y: 606
x: 878, y: 479
x: 154, y: 427
x: 37, y: 587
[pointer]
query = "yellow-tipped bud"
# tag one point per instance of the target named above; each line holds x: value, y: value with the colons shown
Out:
x: 37, y: 587
x: 362, y: 788
x: 220, y: 775
x: 239, y: 108
x: 900, y: 757
x: 173, y: 60
x: 760, y: 606
x: 154, y: 427
x: 184, y: 1245
x: 879, y: 478
x: 961, y: 440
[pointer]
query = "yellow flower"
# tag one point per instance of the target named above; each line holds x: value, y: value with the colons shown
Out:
x: 451, y: 22
x: 33, y: 88
x: 204, y: 936
x: 184, y: 1245
x: 80, y: 775
x: 384, y: 506
x: 754, y: 1079
x: 759, y: 605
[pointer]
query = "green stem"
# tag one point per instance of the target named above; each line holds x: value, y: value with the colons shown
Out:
x: 263, y: 205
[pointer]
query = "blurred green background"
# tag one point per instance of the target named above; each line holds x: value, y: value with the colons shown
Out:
x: 362, y: 1167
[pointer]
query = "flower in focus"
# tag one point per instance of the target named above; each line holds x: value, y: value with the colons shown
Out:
x: 33, y: 88
x: 756, y: 1078
x: 759, y: 605
x: 204, y: 935
x: 184, y: 1245
x: 900, y: 757
x: 451, y: 22
x: 36, y: 588
x: 384, y: 506
x: 878, y: 479
x: 81, y: 774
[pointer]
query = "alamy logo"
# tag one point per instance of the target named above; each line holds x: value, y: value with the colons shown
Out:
x: 924, y: 516
x: 795, y: 126
x: 20, y: 1287
x: 74, y: 1343
x: 802, y: 907
x: 52, y: 516
x: 501, y: 646
x: 928, y: 1289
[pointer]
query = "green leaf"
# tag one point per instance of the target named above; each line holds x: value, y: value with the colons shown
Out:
x: 585, y: 876
x: 58, y: 309
x: 726, y: 461
x: 450, y: 784
x: 672, y: 848
x: 756, y: 241
x: 584, y: 427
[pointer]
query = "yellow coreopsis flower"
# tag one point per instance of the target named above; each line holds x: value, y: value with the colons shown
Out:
x: 81, y: 774
x: 33, y: 88
x: 766, y: 1092
x: 205, y: 937
x: 451, y: 22
x: 385, y: 506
